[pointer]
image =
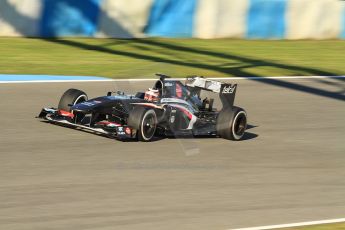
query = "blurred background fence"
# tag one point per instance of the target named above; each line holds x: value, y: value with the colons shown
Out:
x: 249, y: 19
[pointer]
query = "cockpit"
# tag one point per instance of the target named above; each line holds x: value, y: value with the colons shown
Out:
x: 176, y: 90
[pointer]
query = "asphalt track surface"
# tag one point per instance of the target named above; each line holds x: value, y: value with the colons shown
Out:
x: 289, y: 168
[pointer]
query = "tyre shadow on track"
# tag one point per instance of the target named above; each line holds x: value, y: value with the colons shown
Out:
x: 248, y: 136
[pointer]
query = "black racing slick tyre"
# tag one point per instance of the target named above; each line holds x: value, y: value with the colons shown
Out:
x: 232, y: 123
x: 145, y: 121
x: 71, y: 97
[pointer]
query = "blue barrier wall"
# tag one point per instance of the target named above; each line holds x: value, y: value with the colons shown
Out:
x: 266, y: 19
x: 69, y: 18
x: 251, y: 19
x: 171, y: 18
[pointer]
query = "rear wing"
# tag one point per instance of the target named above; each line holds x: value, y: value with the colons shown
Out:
x: 227, y: 95
x: 226, y: 91
x: 203, y: 83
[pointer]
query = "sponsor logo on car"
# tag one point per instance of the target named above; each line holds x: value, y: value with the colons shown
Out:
x: 91, y: 103
x: 120, y: 131
x: 87, y: 103
x: 128, y: 131
x: 228, y: 89
x: 172, y: 119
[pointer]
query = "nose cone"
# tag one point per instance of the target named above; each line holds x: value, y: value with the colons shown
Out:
x: 89, y: 105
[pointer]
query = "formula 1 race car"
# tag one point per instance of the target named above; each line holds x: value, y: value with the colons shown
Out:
x: 170, y: 108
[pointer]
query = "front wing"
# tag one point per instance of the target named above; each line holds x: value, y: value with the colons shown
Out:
x: 104, y: 128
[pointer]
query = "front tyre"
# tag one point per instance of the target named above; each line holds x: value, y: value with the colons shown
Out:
x: 71, y: 97
x: 232, y: 123
x: 148, y: 126
x: 145, y: 121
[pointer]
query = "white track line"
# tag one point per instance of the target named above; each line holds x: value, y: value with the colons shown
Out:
x: 154, y: 79
x: 238, y: 78
x: 318, y: 222
x: 54, y: 81
x: 281, y: 77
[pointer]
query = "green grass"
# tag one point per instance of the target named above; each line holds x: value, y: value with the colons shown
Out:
x: 340, y: 226
x: 121, y: 58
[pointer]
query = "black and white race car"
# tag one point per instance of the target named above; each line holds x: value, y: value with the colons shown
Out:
x: 170, y: 108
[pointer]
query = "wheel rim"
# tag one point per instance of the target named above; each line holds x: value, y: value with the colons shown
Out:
x: 149, y: 126
x: 80, y: 99
x: 240, y: 124
x: 79, y: 116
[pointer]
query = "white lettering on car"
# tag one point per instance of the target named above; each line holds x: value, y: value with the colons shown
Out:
x: 229, y: 89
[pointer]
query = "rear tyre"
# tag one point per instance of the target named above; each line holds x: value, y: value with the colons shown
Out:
x: 145, y: 121
x: 232, y: 123
x: 71, y: 97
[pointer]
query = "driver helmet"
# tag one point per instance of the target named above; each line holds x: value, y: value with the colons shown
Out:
x: 152, y: 95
